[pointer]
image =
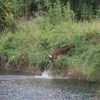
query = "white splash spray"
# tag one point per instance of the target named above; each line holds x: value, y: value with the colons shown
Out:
x: 45, y: 74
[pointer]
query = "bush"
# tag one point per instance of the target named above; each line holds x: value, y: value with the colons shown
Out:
x: 91, y: 65
x: 6, y: 18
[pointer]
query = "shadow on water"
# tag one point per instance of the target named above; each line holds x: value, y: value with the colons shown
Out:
x: 23, y: 87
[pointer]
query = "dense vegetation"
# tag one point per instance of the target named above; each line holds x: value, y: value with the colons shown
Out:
x: 32, y: 29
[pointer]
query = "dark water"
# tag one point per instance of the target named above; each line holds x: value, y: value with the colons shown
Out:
x: 21, y: 87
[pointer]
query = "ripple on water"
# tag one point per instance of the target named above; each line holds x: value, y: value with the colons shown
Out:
x: 20, y: 87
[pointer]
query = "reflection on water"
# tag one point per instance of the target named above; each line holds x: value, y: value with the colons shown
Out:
x: 20, y: 87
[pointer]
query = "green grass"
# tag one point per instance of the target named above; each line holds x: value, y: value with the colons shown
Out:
x: 34, y: 40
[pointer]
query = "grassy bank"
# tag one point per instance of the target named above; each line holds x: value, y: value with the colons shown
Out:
x: 33, y: 40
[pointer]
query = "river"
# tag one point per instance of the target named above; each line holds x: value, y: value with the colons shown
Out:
x: 28, y: 87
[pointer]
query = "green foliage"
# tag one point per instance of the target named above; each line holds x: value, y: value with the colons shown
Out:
x: 6, y: 18
x: 1, y: 17
x: 8, y: 43
x: 56, y: 10
x: 98, y: 11
x: 90, y: 58
x: 61, y: 62
x: 59, y: 13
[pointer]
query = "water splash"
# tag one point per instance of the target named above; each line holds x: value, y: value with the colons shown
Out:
x: 45, y: 74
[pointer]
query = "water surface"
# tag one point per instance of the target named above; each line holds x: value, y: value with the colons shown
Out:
x: 23, y: 87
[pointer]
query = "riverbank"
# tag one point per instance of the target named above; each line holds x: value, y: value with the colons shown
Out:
x: 32, y: 41
x: 66, y: 73
x: 23, y: 70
